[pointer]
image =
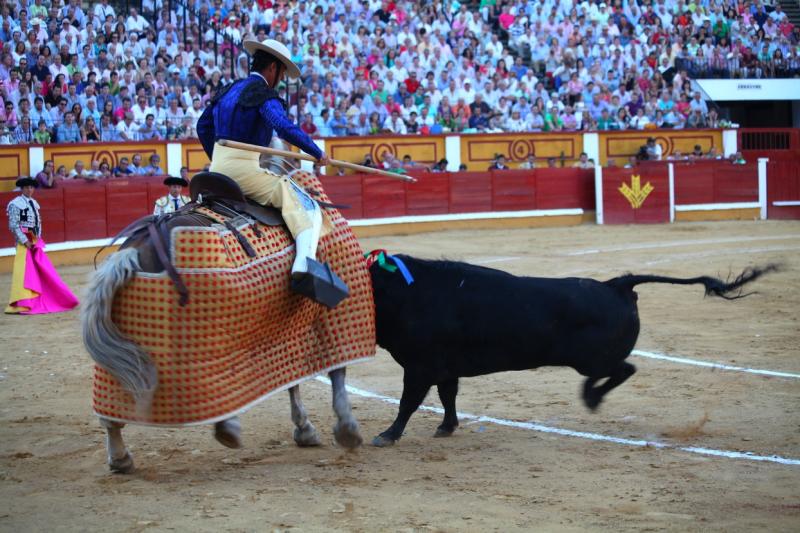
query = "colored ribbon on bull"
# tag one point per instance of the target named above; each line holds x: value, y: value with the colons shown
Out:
x: 403, y: 269
x: 381, y: 256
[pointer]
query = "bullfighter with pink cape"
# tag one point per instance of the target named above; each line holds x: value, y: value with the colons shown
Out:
x: 36, y: 287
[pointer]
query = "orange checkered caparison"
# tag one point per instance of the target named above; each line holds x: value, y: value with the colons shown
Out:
x: 243, y: 335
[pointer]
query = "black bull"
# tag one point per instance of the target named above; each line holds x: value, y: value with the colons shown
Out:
x: 460, y: 320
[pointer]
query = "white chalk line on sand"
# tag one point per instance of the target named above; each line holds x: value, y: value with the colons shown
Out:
x: 672, y: 244
x: 716, y: 366
x: 540, y: 428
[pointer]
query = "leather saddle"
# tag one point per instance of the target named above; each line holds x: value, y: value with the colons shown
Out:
x: 219, y: 191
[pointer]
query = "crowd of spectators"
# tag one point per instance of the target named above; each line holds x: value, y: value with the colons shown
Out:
x: 73, y: 72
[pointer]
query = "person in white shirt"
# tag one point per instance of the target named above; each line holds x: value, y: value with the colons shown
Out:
x: 467, y: 93
x: 56, y: 67
x: 194, y: 112
x: 136, y: 22
x: 407, y: 108
x: 394, y: 124
x: 426, y: 118
x: 697, y: 103
x: 452, y: 93
x: 390, y: 83
x: 101, y: 11
x: 127, y: 129
x: 141, y: 110
x: 515, y: 123
x: 640, y: 120
x: 69, y: 35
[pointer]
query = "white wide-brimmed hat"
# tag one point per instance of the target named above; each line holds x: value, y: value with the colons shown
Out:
x: 276, y: 49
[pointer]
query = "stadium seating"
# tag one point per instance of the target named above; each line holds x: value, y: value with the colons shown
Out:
x: 94, y: 71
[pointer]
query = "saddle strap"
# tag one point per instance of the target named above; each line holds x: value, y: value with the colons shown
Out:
x: 242, y: 241
x: 173, y: 274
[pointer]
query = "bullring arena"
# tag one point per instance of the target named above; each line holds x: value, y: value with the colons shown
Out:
x: 677, y: 447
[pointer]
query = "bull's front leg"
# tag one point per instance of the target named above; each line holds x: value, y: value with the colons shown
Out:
x: 120, y: 460
x: 346, y: 429
x: 414, y: 391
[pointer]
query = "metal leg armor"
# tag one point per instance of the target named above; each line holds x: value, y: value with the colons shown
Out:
x: 311, y: 278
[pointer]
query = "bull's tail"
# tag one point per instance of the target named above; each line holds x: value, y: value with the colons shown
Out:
x: 109, y: 348
x: 730, y: 290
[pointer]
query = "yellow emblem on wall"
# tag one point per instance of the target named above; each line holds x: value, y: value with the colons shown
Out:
x: 635, y: 193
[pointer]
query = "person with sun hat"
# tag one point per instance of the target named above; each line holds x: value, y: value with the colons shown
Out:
x: 174, y: 200
x: 251, y: 111
x: 36, y: 287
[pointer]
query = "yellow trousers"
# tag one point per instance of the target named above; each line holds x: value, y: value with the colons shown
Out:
x: 18, y: 290
x: 264, y: 187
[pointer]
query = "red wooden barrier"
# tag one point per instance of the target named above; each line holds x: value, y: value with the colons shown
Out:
x: 78, y: 210
x: 430, y: 195
x: 783, y: 186
x: 715, y: 182
x: 646, y: 197
x: 463, y: 192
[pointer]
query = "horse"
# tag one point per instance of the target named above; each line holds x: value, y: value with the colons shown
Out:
x: 169, y: 346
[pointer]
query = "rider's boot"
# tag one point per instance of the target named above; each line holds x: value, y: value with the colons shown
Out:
x: 311, y: 278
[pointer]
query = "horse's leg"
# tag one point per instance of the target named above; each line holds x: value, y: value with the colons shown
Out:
x: 346, y: 429
x: 119, y: 458
x: 447, y: 394
x: 229, y: 432
x: 414, y: 390
x: 305, y: 434
x: 592, y: 396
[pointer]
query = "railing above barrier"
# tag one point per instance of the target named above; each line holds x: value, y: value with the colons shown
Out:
x: 769, y: 139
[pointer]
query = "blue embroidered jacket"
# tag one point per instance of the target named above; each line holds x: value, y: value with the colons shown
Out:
x: 231, y: 118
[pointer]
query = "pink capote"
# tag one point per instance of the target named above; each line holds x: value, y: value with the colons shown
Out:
x: 41, y: 277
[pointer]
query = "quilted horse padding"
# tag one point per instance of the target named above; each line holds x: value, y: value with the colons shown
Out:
x: 243, y: 335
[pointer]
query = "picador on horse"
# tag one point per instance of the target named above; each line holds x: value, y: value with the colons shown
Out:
x: 249, y: 111
x: 198, y: 316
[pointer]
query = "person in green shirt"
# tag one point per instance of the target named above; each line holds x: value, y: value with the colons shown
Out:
x: 73, y: 66
x: 552, y: 122
x: 721, y: 28
x: 380, y: 92
x: 38, y: 10
x: 605, y: 121
x: 41, y: 135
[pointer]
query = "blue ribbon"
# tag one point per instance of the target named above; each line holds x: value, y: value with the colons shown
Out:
x: 403, y: 269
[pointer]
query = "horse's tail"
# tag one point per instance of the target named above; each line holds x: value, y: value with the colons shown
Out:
x: 714, y: 286
x: 109, y: 348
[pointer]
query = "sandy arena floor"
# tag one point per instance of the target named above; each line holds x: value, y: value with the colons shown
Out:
x: 487, y: 477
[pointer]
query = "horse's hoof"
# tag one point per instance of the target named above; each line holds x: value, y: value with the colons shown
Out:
x: 443, y: 432
x: 123, y: 465
x: 307, y: 437
x: 228, y: 433
x: 383, y: 442
x: 347, y: 435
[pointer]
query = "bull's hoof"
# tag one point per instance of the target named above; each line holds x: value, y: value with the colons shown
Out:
x: 592, y: 399
x: 347, y: 435
x: 383, y: 441
x: 228, y: 433
x: 442, y: 432
x: 307, y: 436
x: 123, y: 465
